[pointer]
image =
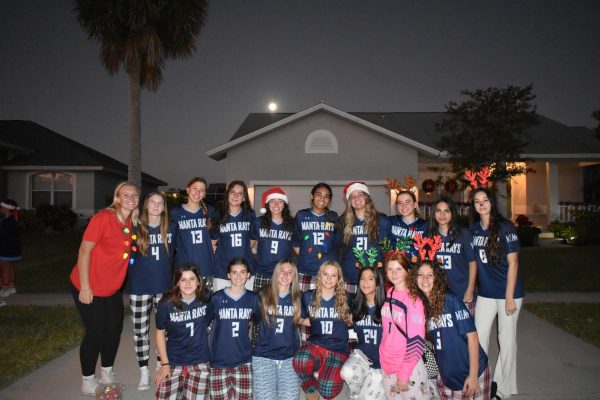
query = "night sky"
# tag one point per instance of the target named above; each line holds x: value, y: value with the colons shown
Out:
x: 353, y: 55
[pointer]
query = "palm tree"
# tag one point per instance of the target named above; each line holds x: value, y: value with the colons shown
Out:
x: 140, y: 35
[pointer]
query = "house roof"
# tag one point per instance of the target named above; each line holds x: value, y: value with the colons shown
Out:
x: 41, y: 147
x: 550, y: 139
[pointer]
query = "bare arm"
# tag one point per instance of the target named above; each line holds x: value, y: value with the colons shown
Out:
x: 511, y: 282
x: 83, y: 265
x: 471, y: 386
x: 469, y: 294
x: 296, y: 250
x: 161, y: 346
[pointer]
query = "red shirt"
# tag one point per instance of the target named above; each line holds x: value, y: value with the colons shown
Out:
x: 108, y: 265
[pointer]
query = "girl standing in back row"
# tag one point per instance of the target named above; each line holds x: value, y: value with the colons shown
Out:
x: 149, y: 275
x: 193, y: 221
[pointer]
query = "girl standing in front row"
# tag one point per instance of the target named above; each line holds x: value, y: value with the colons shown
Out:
x: 193, y: 221
x: 232, y: 232
x: 403, y: 321
x: 149, y: 276
x: 272, y: 370
x: 183, y: 316
x: 362, y: 371
x: 231, y: 350
x: 326, y: 311
x: 500, y: 290
x: 462, y: 363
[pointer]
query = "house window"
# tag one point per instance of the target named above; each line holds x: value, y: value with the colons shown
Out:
x: 53, y: 188
x: 321, y: 141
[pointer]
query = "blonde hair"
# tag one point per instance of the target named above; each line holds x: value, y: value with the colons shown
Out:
x: 164, y: 224
x: 341, y: 301
x: 116, y: 204
x: 371, y: 223
x: 269, y: 296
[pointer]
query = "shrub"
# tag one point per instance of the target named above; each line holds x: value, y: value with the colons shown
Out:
x: 527, y: 232
x: 586, y: 227
x: 563, y: 230
x: 48, y: 217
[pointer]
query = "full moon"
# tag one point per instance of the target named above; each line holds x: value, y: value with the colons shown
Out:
x: 272, y: 106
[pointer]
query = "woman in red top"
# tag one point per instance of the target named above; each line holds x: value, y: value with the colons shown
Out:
x: 96, y: 282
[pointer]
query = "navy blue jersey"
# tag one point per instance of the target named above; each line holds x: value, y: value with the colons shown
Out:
x: 278, y: 339
x: 455, y: 258
x: 449, y: 335
x: 326, y: 328
x: 192, y: 239
x: 234, y: 241
x: 399, y: 229
x: 492, y: 278
x: 315, y: 236
x: 369, y: 336
x: 229, y: 337
x: 361, y: 241
x: 152, y: 273
x: 273, y: 245
x: 186, y: 330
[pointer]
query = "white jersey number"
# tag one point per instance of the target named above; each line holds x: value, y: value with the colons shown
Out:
x: 196, y: 237
x: 370, y: 336
x: 236, y: 240
x: 446, y: 261
x: 155, y: 252
x: 191, y: 326
x: 274, y: 246
x: 361, y: 243
x: 235, y: 329
x: 483, y: 256
x: 279, y: 328
x: 326, y: 327
x: 318, y: 238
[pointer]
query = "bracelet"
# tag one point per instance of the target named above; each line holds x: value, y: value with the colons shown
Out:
x: 163, y: 364
x: 85, y: 290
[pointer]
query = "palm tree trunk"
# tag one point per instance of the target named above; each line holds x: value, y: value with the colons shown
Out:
x: 134, y: 170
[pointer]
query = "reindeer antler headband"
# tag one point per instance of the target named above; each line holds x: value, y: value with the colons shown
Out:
x: 434, y: 244
x: 409, y: 185
x: 478, y: 179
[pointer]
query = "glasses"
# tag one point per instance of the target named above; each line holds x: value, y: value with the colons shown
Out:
x: 131, y: 244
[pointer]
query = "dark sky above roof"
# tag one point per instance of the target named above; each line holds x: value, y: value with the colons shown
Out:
x: 388, y: 55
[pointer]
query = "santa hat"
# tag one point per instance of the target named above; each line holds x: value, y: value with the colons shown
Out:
x: 352, y: 186
x: 11, y: 205
x: 270, y: 194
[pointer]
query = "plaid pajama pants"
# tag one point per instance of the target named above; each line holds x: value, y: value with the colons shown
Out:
x: 185, y: 383
x: 231, y: 383
x: 311, y: 358
x: 351, y: 288
x: 141, y: 307
x: 208, y: 283
x: 483, y: 394
x: 260, y: 281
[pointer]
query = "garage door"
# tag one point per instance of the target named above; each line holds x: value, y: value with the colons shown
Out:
x: 298, y: 194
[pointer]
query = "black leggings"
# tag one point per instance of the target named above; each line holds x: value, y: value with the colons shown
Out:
x: 103, y: 323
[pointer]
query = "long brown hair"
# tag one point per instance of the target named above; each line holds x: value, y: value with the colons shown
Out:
x: 413, y: 291
x: 174, y: 294
x: 269, y: 295
x: 494, y: 246
x: 143, y: 229
x: 202, y: 203
x: 371, y: 225
x: 434, y: 304
x: 341, y: 301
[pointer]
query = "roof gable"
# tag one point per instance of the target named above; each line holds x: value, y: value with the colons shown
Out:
x: 43, y: 147
x: 550, y: 139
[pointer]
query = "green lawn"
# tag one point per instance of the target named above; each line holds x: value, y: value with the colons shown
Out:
x: 34, y: 335
x: 579, y: 319
x: 560, y: 269
x: 47, y: 262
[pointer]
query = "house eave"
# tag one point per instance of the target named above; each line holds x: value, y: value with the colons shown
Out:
x: 570, y: 156
x: 220, y: 152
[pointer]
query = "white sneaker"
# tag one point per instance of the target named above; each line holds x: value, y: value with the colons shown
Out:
x: 144, y: 379
x: 89, y: 384
x: 107, y: 375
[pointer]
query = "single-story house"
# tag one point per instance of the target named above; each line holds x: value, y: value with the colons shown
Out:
x: 323, y: 143
x: 38, y: 165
